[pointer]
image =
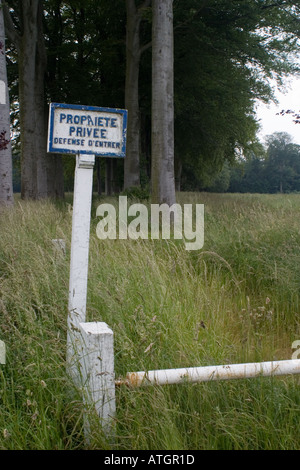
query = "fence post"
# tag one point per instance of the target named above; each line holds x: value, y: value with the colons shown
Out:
x: 97, y: 373
x: 81, y: 220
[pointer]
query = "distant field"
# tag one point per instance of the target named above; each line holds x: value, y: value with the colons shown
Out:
x: 236, y: 300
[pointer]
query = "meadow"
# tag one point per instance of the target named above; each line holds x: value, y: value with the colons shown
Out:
x: 236, y: 300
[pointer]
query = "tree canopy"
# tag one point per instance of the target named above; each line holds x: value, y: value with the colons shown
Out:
x: 226, y: 54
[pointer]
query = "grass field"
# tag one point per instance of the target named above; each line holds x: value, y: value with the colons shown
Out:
x: 236, y: 300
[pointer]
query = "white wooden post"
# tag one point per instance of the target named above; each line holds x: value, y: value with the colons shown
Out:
x: 86, y: 131
x: 97, y: 373
x: 81, y: 219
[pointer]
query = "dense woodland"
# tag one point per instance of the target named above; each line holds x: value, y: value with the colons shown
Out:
x: 217, y: 56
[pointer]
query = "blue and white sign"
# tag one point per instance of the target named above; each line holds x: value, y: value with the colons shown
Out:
x: 80, y: 129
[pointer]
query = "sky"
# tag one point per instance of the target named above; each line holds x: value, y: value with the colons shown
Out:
x: 271, y: 123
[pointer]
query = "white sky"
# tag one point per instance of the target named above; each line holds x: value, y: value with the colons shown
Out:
x: 271, y: 123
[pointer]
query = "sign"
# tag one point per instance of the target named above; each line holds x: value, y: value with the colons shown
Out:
x: 87, y: 132
x: 91, y: 130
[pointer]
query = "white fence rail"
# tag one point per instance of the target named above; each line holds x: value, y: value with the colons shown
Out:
x: 96, y: 360
x: 210, y: 373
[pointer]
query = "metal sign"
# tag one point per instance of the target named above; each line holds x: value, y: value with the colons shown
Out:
x: 90, y: 130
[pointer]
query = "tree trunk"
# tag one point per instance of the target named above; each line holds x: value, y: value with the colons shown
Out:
x: 162, y: 174
x: 178, y: 173
x: 41, y: 176
x: 40, y: 109
x: 6, y: 184
x: 55, y: 176
x: 132, y: 159
x: 27, y: 75
x: 281, y: 187
x: 108, y: 176
x: 99, y: 181
x: 32, y: 68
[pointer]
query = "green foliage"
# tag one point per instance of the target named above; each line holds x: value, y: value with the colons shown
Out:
x: 221, y: 183
x: 137, y: 192
x: 86, y: 56
x: 278, y: 170
x: 225, y: 54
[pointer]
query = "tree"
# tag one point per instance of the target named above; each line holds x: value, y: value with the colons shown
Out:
x: 162, y: 169
x: 220, y: 183
x: 282, y: 164
x: 28, y: 40
x: 134, y: 51
x: 40, y: 173
x: 272, y: 169
x: 6, y: 187
x: 85, y: 41
x: 225, y: 53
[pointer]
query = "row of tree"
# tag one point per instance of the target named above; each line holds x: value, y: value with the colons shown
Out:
x: 277, y: 170
x: 189, y: 74
x: 274, y: 168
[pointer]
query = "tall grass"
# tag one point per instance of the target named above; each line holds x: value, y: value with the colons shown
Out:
x: 236, y: 300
